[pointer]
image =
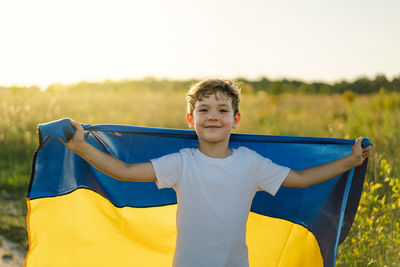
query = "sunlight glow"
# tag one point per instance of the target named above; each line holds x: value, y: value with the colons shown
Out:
x: 46, y: 41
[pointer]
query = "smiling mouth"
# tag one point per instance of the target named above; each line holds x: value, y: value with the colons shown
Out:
x: 213, y: 126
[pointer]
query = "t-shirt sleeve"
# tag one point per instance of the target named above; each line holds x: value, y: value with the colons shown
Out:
x: 167, y: 169
x: 270, y: 175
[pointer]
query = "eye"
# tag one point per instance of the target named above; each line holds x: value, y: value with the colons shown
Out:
x: 223, y: 110
x: 203, y: 110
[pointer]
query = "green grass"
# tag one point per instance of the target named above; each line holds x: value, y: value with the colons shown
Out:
x: 8, y: 257
x: 374, y: 238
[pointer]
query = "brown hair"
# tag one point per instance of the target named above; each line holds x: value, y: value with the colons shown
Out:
x: 208, y: 87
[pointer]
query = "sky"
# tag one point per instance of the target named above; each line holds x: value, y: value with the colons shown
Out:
x: 55, y: 41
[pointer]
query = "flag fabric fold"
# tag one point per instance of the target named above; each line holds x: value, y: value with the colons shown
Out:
x: 79, y: 216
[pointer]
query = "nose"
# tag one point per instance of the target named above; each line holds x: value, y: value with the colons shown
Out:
x: 212, y: 115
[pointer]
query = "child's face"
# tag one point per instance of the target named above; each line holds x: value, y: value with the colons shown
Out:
x: 213, y: 118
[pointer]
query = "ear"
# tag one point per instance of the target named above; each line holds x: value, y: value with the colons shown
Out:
x: 190, y: 120
x: 236, y: 120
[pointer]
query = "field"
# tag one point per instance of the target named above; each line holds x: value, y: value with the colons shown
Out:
x: 374, y: 239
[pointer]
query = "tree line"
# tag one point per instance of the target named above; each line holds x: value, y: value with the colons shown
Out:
x: 362, y: 85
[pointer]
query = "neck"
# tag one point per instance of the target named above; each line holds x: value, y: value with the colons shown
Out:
x: 215, y: 150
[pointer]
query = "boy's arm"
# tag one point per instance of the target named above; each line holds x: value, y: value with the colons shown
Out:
x: 321, y: 173
x: 136, y: 172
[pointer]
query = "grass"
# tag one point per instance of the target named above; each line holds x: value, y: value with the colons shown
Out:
x: 374, y: 238
x: 8, y: 256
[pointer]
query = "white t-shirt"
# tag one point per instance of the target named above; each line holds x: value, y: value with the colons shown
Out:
x: 214, y: 198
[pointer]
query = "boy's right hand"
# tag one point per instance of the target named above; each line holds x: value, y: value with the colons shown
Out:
x: 77, y: 140
x: 136, y: 172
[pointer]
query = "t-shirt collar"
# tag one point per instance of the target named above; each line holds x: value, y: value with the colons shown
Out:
x: 199, y: 155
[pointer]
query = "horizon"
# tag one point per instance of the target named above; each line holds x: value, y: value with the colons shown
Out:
x: 166, y: 79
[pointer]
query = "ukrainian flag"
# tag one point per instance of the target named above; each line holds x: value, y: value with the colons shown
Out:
x: 78, y: 216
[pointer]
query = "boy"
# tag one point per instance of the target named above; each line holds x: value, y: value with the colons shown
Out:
x: 215, y: 184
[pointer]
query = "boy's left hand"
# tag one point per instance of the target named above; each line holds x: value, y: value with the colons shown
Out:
x: 359, y: 154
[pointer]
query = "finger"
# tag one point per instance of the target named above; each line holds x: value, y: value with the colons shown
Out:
x: 366, y: 154
x: 62, y: 141
x: 367, y: 150
x: 76, y: 125
x: 357, y: 143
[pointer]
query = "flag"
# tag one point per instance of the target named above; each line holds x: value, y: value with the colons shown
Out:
x: 79, y: 216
